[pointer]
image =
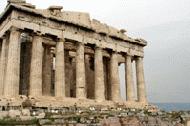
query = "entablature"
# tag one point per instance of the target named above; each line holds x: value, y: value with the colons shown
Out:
x: 20, y: 18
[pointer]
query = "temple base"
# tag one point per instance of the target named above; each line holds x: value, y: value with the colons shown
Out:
x: 59, y: 102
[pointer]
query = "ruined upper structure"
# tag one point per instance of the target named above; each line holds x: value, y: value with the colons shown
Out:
x: 60, y: 55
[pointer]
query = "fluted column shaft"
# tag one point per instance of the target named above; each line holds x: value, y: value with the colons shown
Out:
x: 99, y: 75
x: 2, y: 65
x: 114, y: 73
x: 1, y: 41
x: 11, y: 87
x: 129, y: 79
x: 47, y: 71
x: 36, y: 67
x: 141, y: 89
x: 80, y: 72
x: 60, y: 70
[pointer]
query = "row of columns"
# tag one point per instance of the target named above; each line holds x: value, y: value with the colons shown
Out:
x: 141, y: 89
x: 9, y: 76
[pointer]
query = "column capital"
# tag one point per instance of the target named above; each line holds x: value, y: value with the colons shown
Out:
x: 129, y: 54
x: 139, y: 57
x: 114, y: 52
x: 80, y: 43
x: 61, y: 40
x: 3, y: 37
x: 14, y: 29
x: 98, y: 48
x: 37, y: 34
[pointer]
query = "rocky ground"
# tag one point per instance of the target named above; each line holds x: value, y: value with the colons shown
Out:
x: 92, y: 116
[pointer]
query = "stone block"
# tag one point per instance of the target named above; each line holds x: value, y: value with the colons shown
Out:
x: 3, y: 114
x: 99, y: 27
x: 25, y: 112
x: 14, y: 113
x: 59, y: 121
x: 16, y: 1
x: 188, y: 123
x: 71, y: 124
x: 26, y: 118
x: 111, y: 121
x: 79, y: 124
x: 57, y: 116
x: 41, y: 115
x: 44, y: 121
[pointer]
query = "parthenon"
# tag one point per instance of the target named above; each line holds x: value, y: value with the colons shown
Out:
x: 63, y: 57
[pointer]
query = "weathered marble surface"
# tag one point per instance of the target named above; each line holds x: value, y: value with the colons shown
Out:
x: 62, y: 58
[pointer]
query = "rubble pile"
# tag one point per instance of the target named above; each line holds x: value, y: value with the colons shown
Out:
x: 90, y: 116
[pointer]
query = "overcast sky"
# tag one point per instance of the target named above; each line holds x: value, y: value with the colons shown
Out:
x: 165, y: 24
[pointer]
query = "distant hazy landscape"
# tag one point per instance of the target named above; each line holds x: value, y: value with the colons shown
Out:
x: 168, y: 51
x: 174, y: 106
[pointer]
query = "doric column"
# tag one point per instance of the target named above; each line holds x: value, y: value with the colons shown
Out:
x: 141, y: 91
x: 47, y: 71
x: 90, y: 76
x: 60, y: 70
x: 99, y: 75
x: 2, y: 64
x: 129, y: 78
x: 1, y: 42
x: 68, y: 73
x: 11, y: 87
x: 80, y: 72
x: 36, y: 67
x: 114, y: 76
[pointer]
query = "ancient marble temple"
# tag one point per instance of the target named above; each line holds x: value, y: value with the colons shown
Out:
x: 62, y: 58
